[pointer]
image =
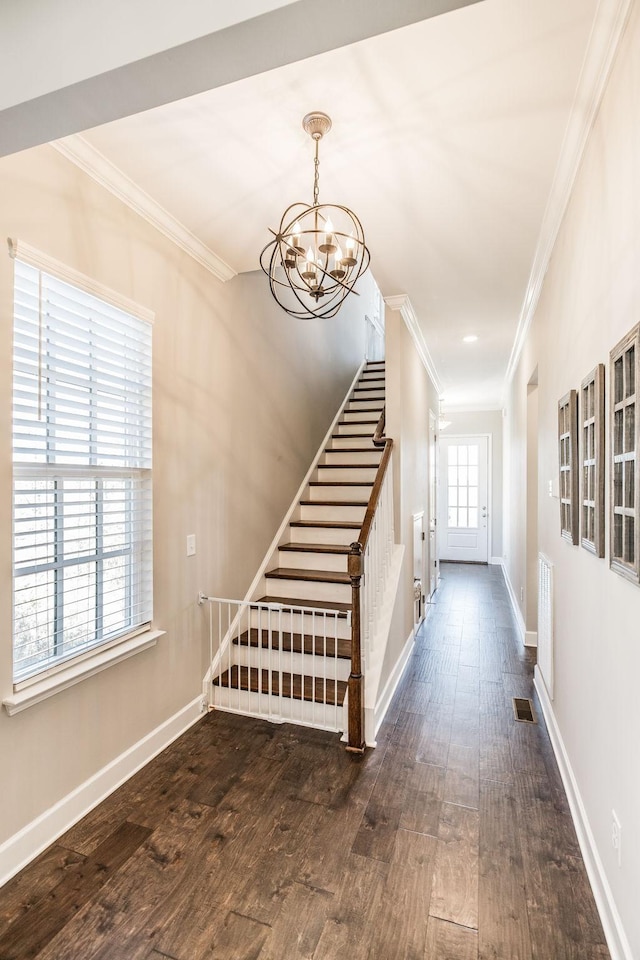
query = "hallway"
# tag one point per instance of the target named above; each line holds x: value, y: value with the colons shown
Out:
x: 451, y: 841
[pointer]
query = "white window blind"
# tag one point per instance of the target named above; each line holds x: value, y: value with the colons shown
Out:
x: 82, y: 471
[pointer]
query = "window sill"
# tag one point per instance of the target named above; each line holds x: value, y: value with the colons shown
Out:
x: 76, y: 672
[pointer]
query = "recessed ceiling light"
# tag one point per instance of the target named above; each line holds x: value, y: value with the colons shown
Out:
x: 470, y: 338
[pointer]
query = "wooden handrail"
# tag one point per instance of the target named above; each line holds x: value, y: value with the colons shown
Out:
x: 379, y: 437
x: 356, y: 734
x: 365, y: 529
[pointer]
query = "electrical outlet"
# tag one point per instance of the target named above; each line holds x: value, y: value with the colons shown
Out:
x: 616, y: 836
x: 521, y: 594
x: 550, y: 488
x: 191, y: 545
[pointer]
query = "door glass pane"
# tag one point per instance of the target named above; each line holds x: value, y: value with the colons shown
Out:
x: 462, y: 486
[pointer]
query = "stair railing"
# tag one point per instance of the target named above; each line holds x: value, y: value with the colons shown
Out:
x: 369, y: 563
x: 277, y: 662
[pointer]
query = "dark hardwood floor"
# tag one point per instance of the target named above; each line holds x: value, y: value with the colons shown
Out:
x: 247, y: 841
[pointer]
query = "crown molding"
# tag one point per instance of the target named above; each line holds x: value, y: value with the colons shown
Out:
x: 606, y: 33
x: 80, y: 152
x: 404, y: 305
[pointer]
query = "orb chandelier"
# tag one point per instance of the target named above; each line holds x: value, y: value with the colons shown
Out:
x: 319, y: 251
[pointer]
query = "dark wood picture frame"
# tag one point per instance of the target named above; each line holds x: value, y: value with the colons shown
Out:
x: 568, y: 467
x: 592, y: 461
x: 624, y: 443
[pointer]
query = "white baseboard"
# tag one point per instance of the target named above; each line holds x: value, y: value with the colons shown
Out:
x: 617, y: 941
x: 22, y: 847
x: 531, y: 638
x: 496, y: 561
x: 514, y: 605
x: 391, y: 685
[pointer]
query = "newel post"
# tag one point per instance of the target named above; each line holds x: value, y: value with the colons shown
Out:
x: 356, y: 680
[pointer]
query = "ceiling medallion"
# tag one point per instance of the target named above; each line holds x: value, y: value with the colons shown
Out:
x: 318, y: 252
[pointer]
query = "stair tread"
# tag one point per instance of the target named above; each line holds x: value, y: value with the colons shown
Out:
x: 315, y: 547
x: 325, y: 524
x: 348, y: 466
x: 347, y: 436
x: 341, y: 483
x: 289, y: 685
x: 342, y: 450
x: 364, y: 409
x: 289, y: 603
x: 334, y: 503
x: 354, y: 423
x: 293, y: 643
x: 313, y: 576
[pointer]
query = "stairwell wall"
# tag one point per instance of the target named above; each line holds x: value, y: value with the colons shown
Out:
x: 243, y: 395
x: 590, y: 299
x: 410, y: 394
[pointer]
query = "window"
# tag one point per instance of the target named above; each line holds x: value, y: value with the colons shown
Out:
x: 592, y: 450
x: 82, y: 471
x: 624, y: 456
x: 462, y: 483
x: 568, y: 457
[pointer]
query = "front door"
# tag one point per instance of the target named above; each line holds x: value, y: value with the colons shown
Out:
x: 463, y: 499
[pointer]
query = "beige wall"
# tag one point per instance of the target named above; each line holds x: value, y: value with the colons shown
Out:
x: 591, y: 298
x: 410, y: 394
x: 243, y: 395
x: 468, y: 423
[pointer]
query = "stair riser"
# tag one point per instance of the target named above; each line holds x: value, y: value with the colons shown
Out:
x: 309, y: 590
x: 322, y: 535
x: 338, y: 493
x: 368, y: 395
x: 351, y: 474
x: 344, y: 440
x: 356, y: 405
x: 317, y: 512
x: 299, y: 623
x: 355, y: 429
x: 312, y: 666
x: 282, y: 710
x: 359, y: 456
x: 358, y: 416
x: 313, y: 561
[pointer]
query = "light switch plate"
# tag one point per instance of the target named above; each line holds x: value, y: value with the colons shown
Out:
x: 191, y: 544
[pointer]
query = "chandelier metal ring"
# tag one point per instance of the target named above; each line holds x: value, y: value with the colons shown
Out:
x: 319, y: 251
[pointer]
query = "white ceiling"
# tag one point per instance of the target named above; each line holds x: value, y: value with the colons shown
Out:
x: 445, y: 139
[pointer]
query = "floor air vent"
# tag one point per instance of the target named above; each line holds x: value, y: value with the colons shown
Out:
x: 523, y: 710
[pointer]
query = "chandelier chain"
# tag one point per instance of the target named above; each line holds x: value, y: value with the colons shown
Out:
x: 316, y: 177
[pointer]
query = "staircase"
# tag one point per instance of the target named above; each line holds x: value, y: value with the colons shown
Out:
x: 289, y: 654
